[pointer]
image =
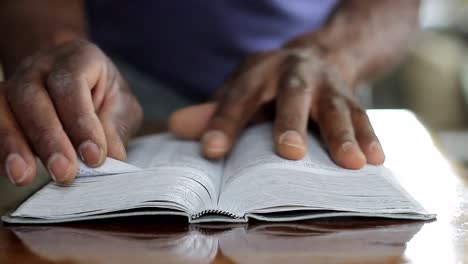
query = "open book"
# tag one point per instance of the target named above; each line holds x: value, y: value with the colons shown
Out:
x: 167, y: 176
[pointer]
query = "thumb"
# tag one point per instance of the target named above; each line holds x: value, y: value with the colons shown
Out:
x: 190, y: 122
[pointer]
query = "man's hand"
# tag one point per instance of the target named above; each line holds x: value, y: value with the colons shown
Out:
x: 311, y: 78
x: 303, y: 87
x: 63, y: 102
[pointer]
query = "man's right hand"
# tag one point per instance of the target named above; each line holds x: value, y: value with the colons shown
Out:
x: 62, y: 103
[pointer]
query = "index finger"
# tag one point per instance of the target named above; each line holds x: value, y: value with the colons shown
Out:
x: 233, y: 111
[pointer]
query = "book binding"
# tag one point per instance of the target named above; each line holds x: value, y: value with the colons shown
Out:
x: 215, y: 211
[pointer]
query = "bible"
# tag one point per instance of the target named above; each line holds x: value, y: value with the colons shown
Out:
x: 164, y: 175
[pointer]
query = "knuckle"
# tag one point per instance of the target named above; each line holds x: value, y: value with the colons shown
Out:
x: 84, y: 122
x: 304, y: 61
x: 241, y: 87
x: 39, y: 61
x: 60, y: 80
x: 224, y: 120
x: 358, y: 111
x: 342, y: 134
x: 8, y: 143
x: 296, y: 57
x: 336, y: 82
x: 83, y: 126
x: 370, y: 138
x: 365, y: 133
x: 286, y: 122
x: 45, y: 137
x: 27, y: 63
x: 300, y: 75
x: 359, y: 116
x: 239, y: 93
x: 366, y: 138
x: 333, y: 105
x: 7, y: 139
x: 22, y: 92
x: 295, y: 84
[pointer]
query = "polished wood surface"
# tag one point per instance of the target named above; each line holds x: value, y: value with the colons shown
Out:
x: 411, y: 154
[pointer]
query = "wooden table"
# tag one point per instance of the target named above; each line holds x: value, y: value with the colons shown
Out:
x: 411, y: 154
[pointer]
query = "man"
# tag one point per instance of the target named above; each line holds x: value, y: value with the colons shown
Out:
x: 302, y: 58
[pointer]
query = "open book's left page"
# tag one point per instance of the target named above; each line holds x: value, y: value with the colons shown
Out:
x: 167, y: 174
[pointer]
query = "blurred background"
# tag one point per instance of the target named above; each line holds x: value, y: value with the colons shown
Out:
x: 433, y: 79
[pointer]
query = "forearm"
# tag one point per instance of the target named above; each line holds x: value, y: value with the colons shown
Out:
x: 28, y: 26
x: 364, y: 37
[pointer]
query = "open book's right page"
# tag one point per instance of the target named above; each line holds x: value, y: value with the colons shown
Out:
x: 260, y: 184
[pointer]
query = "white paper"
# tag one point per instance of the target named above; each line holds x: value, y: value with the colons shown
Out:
x: 110, y: 166
x: 258, y: 180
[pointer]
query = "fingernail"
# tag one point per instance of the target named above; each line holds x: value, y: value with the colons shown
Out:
x: 91, y: 153
x: 292, y: 138
x: 58, y: 167
x: 215, y: 141
x: 349, y: 146
x: 16, y: 168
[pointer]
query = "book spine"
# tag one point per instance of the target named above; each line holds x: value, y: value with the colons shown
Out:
x: 215, y: 211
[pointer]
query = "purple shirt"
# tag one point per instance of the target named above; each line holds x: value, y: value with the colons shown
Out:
x: 194, y: 44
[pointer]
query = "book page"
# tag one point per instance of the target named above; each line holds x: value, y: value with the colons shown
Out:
x: 164, y: 150
x: 169, y: 174
x: 98, y: 195
x: 150, y: 152
x: 255, y: 148
x: 257, y: 180
x: 110, y: 166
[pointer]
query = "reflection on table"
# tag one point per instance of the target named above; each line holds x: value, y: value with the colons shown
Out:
x: 327, y: 241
